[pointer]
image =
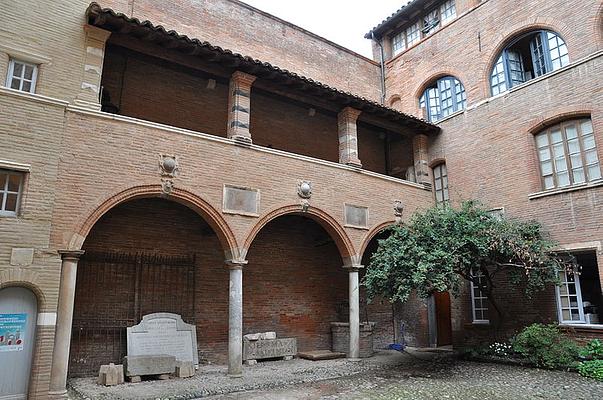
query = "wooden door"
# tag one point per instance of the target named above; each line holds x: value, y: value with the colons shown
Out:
x: 442, y: 306
x: 18, y: 320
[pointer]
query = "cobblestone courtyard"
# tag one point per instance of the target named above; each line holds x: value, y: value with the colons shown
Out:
x: 387, y: 376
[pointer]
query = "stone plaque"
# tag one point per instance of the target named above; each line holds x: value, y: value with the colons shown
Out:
x: 274, y: 348
x: 356, y: 216
x: 164, y: 333
x: 240, y: 200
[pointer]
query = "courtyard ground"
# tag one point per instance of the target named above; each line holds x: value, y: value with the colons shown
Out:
x: 387, y: 376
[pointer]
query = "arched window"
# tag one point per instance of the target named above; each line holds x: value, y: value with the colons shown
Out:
x: 528, y: 57
x: 567, y: 154
x: 443, y: 97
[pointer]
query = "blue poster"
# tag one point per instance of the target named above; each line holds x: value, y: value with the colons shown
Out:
x: 12, y: 331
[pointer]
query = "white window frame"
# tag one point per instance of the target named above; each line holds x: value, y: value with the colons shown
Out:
x: 10, y: 75
x: 401, y: 39
x: 447, y: 6
x: 482, y: 297
x: 4, y: 190
x: 580, y: 304
x: 442, y: 170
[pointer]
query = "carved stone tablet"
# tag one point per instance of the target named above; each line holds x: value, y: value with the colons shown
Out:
x: 164, y: 333
x: 356, y: 216
x: 273, y: 348
x: 239, y: 200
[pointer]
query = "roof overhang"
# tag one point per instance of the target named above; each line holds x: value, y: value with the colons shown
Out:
x: 110, y: 20
x: 399, y: 17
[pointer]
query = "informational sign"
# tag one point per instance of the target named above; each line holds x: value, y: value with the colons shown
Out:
x: 12, y: 331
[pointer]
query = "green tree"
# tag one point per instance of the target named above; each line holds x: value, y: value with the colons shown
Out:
x: 442, y: 248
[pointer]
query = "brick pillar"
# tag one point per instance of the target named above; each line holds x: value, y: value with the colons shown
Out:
x: 239, y: 107
x: 235, y: 318
x: 62, y: 335
x: 89, y: 93
x: 348, y: 137
x: 420, y: 144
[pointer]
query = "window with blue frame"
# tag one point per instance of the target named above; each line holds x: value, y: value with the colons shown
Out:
x: 528, y: 57
x: 444, y: 97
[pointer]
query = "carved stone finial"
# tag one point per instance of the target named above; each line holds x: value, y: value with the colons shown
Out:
x: 304, y: 189
x: 167, y: 185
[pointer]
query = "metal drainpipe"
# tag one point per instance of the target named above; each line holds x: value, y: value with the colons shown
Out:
x: 382, y: 62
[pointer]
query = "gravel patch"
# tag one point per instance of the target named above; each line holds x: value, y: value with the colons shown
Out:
x: 212, y: 380
x: 387, y: 376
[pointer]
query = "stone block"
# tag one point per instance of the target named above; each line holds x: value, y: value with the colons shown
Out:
x: 21, y: 256
x: 268, y: 336
x: 340, y: 336
x: 275, y: 348
x: 252, y: 336
x: 185, y: 369
x: 111, y: 375
x: 149, y: 365
x: 251, y: 362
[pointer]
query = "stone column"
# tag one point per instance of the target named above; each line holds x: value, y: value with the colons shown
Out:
x: 348, y: 137
x: 89, y: 93
x: 239, y: 107
x: 354, y: 300
x: 420, y: 144
x: 235, y: 318
x: 62, y: 334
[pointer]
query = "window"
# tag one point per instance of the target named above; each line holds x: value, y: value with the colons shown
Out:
x: 528, y: 57
x: 448, y: 12
x: 413, y: 34
x: 399, y: 43
x: 22, y: 76
x: 579, y: 295
x: 567, y: 154
x: 479, y: 301
x: 444, y: 97
x: 11, y: 187
x: 440, y: 183
x: 431, y: 22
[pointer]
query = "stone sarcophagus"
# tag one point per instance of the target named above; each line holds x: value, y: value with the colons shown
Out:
x: 269, y: 348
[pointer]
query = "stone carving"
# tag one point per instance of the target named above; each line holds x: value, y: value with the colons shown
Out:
x: 304, y: 189
x: 356, y: 216
x: 168, y: 168
x: 163, y: 333
x: 398, y: 210
x: 241, y: 200
x: 271, y: 348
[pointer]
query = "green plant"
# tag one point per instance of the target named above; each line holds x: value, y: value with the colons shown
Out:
x: 545, y: 346
x: 593, y: 350
x: 591, y: 369
x: 500, y: 349
x: 442, y: 248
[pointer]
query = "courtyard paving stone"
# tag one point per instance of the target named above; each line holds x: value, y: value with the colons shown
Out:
x: 387, y: 376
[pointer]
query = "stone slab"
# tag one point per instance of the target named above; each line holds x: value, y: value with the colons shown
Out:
x: 21, y: 256
x: 164, y: 333
x: 317, y: 355
x: 275, y: 348
x: 260, y: 336
x: 149, y: 365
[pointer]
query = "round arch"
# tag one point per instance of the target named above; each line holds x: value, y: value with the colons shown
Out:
x: 334, y: 229
x: 515, y: 32
x: 28, y: 280
x: 213, y: 218
x: 434, y: 77
x: 371, y: 234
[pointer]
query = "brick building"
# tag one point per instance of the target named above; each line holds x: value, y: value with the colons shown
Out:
x: 173, y: 158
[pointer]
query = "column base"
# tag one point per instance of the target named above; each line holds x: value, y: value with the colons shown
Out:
x: 242, y: 140
x: 235, y: 376
x: 355, y: 164
x: 60, y: 395
x: 353, y: 359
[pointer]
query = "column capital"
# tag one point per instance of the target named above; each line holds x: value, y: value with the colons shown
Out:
x: 350, y: 113
x: 236, y: 264
x: 243, y: 78
x: 353, y: 267
x: 71, y: 254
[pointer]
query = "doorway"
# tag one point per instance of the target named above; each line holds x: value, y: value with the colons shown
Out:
x: 439, y: 316
x: 18, y: 317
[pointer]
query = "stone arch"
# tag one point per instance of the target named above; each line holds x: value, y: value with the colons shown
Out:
x: 394, y: 100
x: 510, y: 33
x: 213, y: 217
x: 370, y: 235
x: 333, y: 228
